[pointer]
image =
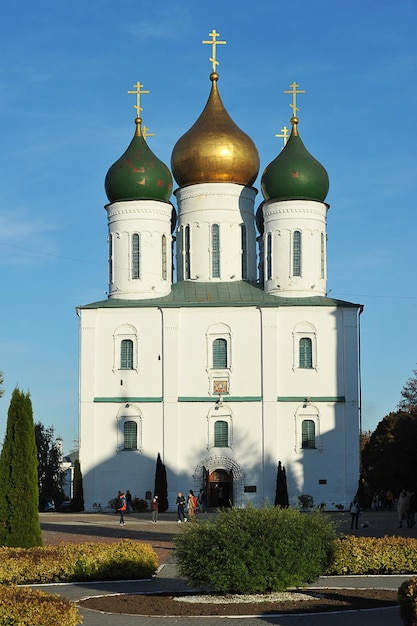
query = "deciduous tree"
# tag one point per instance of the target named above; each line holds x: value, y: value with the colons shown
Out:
x: 408, y: 400
x: 50, y: 474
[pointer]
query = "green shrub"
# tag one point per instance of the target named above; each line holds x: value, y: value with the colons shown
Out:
x: 21, y: 606
x: 70, y: 562
x: 407, y: 599
x: 372, y: 555
x: 255, y: 550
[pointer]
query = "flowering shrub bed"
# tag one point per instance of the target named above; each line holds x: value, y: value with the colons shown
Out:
x: 27, y: 607
x: 69, y: 562
x: 370, y: 555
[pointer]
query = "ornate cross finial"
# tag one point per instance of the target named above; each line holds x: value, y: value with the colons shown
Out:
x: 138, y: 93
x: 284, y: 135
x: 294, y: 93
x: 145, y: 133
x: 213, y: 44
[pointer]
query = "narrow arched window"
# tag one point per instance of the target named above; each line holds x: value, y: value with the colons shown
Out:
x: 308, y: 434
x: 187, y: 262
x: 126, y: 354
x: 164, y: 257
x: 221, y: 434
x: 219, y: 354
x: 135, y: 256
x: 269, y: 256
x: 130, y: 435
x: 244, y: 252
x: 110, y: 258
x: 296, y: 253
x: 215, y: 251
x: 306, y: 353
x: 322, y: 255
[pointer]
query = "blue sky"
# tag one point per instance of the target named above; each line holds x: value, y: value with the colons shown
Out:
x: 65, y: 117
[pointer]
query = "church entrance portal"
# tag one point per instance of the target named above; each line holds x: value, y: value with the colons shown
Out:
x: 220, y: 489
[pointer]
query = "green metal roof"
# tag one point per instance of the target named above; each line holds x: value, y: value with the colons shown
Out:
x: 235, y: 294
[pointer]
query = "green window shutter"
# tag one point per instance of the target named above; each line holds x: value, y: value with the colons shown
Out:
x: 219, y: 354
x: 130, y: 435
x: 221, y: 434
x: 126, y: 354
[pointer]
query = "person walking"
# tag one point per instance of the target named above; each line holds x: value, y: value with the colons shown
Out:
x: 128, y: 501
x: 121, y: 507
x: 402, y: 507
x: 354, y: 510
x: 155, y: 509
x: 180, y: 507
x: 192, y: 505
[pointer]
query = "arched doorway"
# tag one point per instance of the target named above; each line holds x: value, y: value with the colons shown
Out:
x: 220, y: 488
x: 226, y: 473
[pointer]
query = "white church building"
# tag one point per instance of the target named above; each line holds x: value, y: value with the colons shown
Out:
x: 243, y: 360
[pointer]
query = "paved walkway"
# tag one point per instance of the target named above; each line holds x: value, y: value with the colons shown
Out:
x: 168, y: 580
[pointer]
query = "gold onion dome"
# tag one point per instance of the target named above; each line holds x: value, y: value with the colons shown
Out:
x: 215, y: 149
x: 138, y: 174
x: 295, y: 173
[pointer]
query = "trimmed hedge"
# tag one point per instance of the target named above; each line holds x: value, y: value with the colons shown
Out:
x: 370, y: 555
x: 28, y: 607
x: 70, y: 562
x: 255, y: 550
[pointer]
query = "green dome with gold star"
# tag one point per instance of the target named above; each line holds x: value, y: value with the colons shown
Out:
x: 138, y: 174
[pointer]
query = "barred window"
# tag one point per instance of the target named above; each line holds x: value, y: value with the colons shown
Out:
x: 215, y: 251
x: 244, y: 253
x: 130, y: 435
x: 221, y: 434
x: 219, y: 354
x: 308, y: 434
x: 126, y: 354
x: 296, y: 253
x: 269, y: 256
x: 135, y: 256
x: 164, y: 257
x: 187, y: 262
x: 306, y: 353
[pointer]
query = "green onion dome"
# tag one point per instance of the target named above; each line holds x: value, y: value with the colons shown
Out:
x: 295, y: 173
x: 138, y: 174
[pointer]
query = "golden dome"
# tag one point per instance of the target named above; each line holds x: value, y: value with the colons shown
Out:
x: 215, y: 150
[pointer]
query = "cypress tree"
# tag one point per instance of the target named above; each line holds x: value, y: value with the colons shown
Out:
x: 77, y: 502
x: 161, y: 486
x: 281, y: 491
x: 19, y: 493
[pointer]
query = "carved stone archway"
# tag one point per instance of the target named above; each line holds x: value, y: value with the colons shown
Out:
x: 231, y: 477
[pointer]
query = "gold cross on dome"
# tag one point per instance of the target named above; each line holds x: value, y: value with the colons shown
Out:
x: 138, y: 93
x: 294, y: 93
x: 284, y: 135
x: 213, y: 44
x: 145, y: 133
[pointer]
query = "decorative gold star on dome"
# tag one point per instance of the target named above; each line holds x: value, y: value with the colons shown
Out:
x: 213, y: 44
x: 294, y: 93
